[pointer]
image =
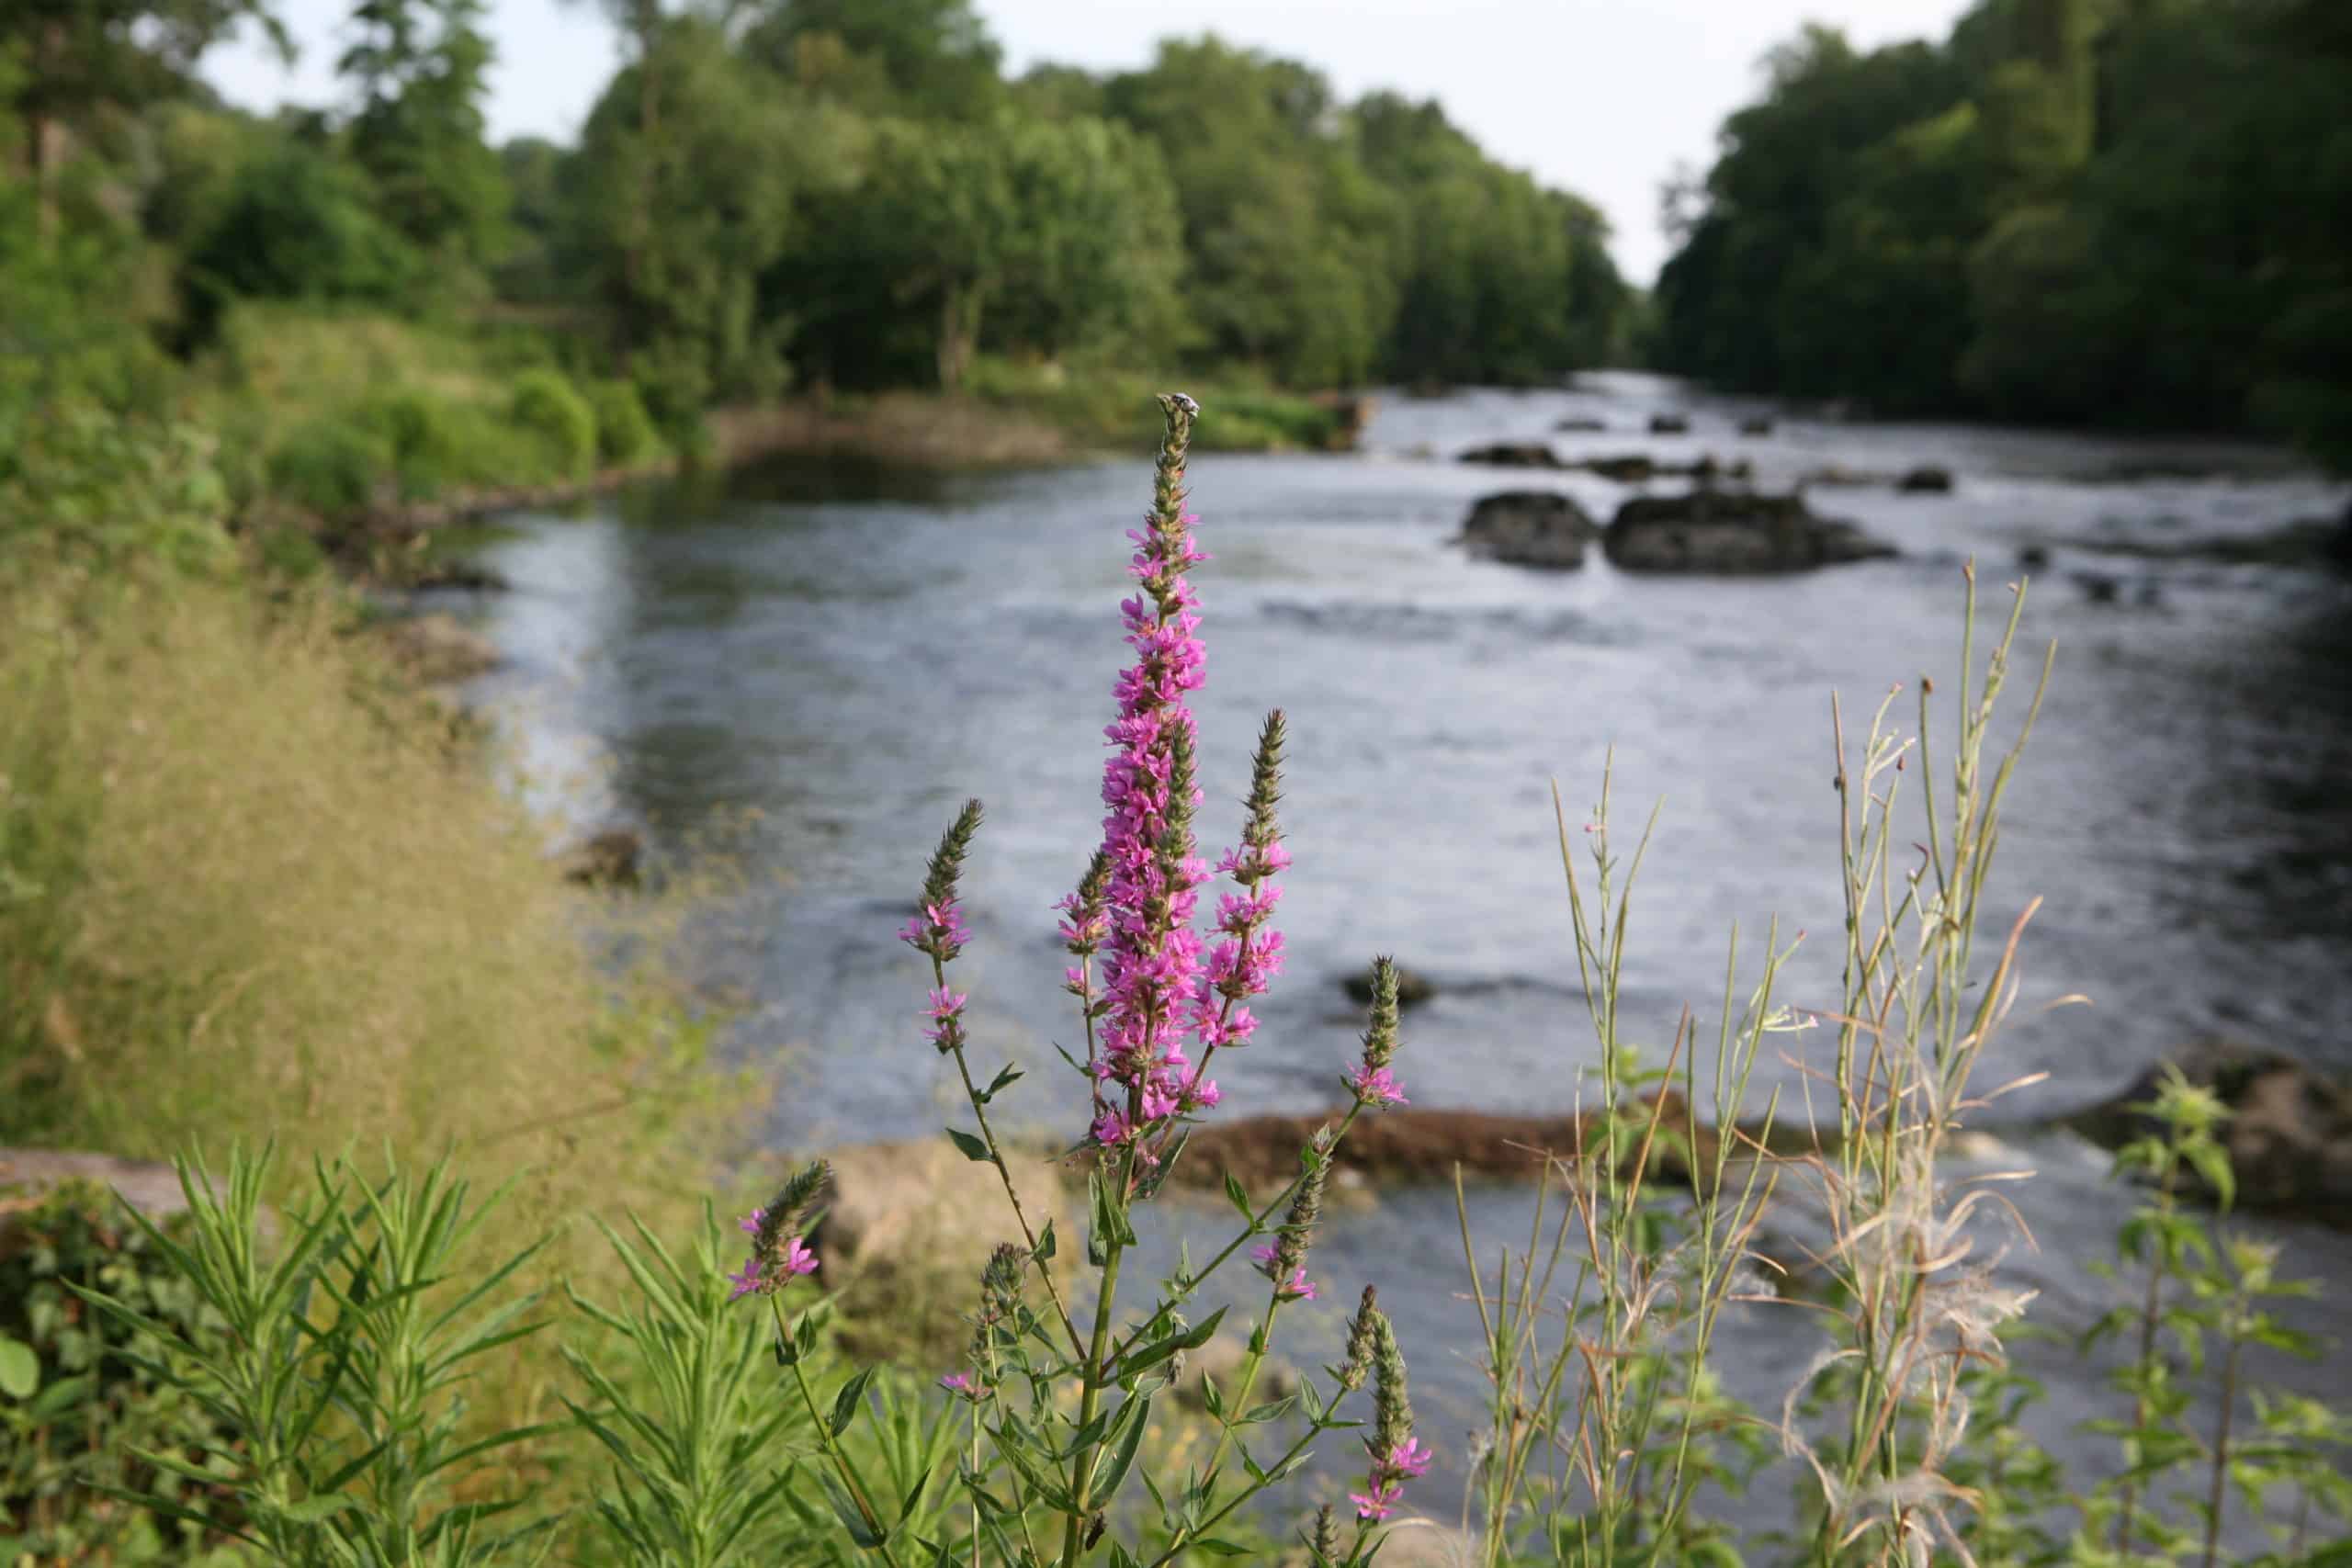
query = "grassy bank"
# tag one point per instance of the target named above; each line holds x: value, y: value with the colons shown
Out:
x: 327, y: 428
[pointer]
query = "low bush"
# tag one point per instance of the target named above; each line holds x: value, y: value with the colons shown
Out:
x: 625, y: 431
x: 332, y: 465
x: 547, y: 407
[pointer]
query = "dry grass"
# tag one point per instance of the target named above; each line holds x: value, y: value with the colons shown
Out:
x: 250, y: 888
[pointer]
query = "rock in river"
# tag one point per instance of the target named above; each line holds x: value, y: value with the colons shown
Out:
x: 2289, y: 1132
x: 1669, y: 425
x: 1731, y: 531
x: 1513, y: 455
x: 1927, y: 481
x: 1412, y: 986
x: 1527, y: 527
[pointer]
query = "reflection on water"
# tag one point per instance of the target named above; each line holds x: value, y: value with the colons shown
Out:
x: 850, y: 653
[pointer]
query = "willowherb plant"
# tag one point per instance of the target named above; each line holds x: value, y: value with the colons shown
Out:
x: 1058, y: 1402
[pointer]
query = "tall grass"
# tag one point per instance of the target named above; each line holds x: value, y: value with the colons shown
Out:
x: 250, y: 887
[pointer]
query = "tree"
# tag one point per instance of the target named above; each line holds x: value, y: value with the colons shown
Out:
x: 674, y: 226
x: 1038, y: 237
x: 80, y: 59
x: 912, y: 59
x: 421, y: 68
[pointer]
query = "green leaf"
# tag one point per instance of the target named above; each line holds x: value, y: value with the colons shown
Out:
x: 1112, y: 1470
x: 845, y: 1404
x: 974, y: 1148
x: 1003, y: 1080
x: 1239, y: 1197
x: 845, y: 1510
x: 1159, y: 1349
x: 310, y: 1510
x: 1044, y: 1253
x: 19, y: 1369
x: 1211, y: 1545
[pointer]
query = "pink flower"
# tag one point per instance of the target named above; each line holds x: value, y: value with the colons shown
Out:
x: 1112, y: 1129
x: 1377, y: 1503
x: 1298, y: 1289
x: 1376, y: 1086
x: 797, y: 1259
x: 750, y: 1223
x: 1263, y: 1257
x: 1407, y: 1461
x: 956, y: 1382
x: 746, y: 1281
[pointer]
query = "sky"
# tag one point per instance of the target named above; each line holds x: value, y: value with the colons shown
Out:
x: 1605, y: 97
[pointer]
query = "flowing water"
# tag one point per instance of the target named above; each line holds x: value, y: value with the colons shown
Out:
x: 832, y: 660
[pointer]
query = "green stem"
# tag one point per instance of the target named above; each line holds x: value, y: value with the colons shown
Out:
x: 830, y: 1447
x: 1082, y: 1474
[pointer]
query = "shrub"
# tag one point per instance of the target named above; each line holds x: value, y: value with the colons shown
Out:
x: 547, y: 407
x: 332, y: 466
x: 98, y: 489
x: 79, y: 1397
x: 625, y: 431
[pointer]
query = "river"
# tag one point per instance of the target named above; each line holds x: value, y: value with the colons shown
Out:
x: 831, y: 661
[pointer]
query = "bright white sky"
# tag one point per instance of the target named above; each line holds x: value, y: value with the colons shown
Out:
x: 1604, y: 98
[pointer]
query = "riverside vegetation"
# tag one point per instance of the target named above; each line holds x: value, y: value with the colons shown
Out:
x: 384, y: 1367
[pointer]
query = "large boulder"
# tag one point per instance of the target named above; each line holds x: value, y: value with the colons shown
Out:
x: 2289, y: 1132
x: 1525, y: 527
x: 1733, y: 531
x: 1412, y: 988
x: 922, y: 1208
x: 1513, y: 455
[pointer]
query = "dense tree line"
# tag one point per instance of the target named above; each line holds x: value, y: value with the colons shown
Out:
x: 842, y: 192
x: 2102, y: 211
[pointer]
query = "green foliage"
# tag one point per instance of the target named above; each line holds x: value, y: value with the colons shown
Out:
x: 332, y: 466
x: 76, y: 1404
x: 296, y: 224
x: 625, y: 431
x: 2072, y: 211
x: 339, y: 1380
x: 102, y: 493
x: 549, y: 409
x: 418, y: 133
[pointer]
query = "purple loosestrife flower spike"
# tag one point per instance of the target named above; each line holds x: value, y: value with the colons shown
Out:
x: 1323, y: 1545
x: 1350, y: 1374
x: 1374, y: 1086
x: 1151, y: 954
x: 1284, y: 1262
x: 937, y: 926
x: 1396, y: 1457
x: 779, y: 1250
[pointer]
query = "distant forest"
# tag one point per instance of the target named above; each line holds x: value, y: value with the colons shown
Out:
x: 2133, y: 212
x: 849, y: 193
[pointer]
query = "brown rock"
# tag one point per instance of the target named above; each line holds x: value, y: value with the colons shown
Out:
x: 610, y: 859
x: 922, y: 1204
x: 1731, y: 531
x: 1538, y: 528
x: 2289, y: 1133
x: 1412, y: 988
x: 1513, y: 455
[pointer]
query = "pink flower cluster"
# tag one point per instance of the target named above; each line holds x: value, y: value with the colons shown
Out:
x: 937, y: 929
x: 946, y: 1015
x: 1297, y: 1287
x: 1164, y: 988
x: 767, y: 1274
x: 1384, y: 1487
